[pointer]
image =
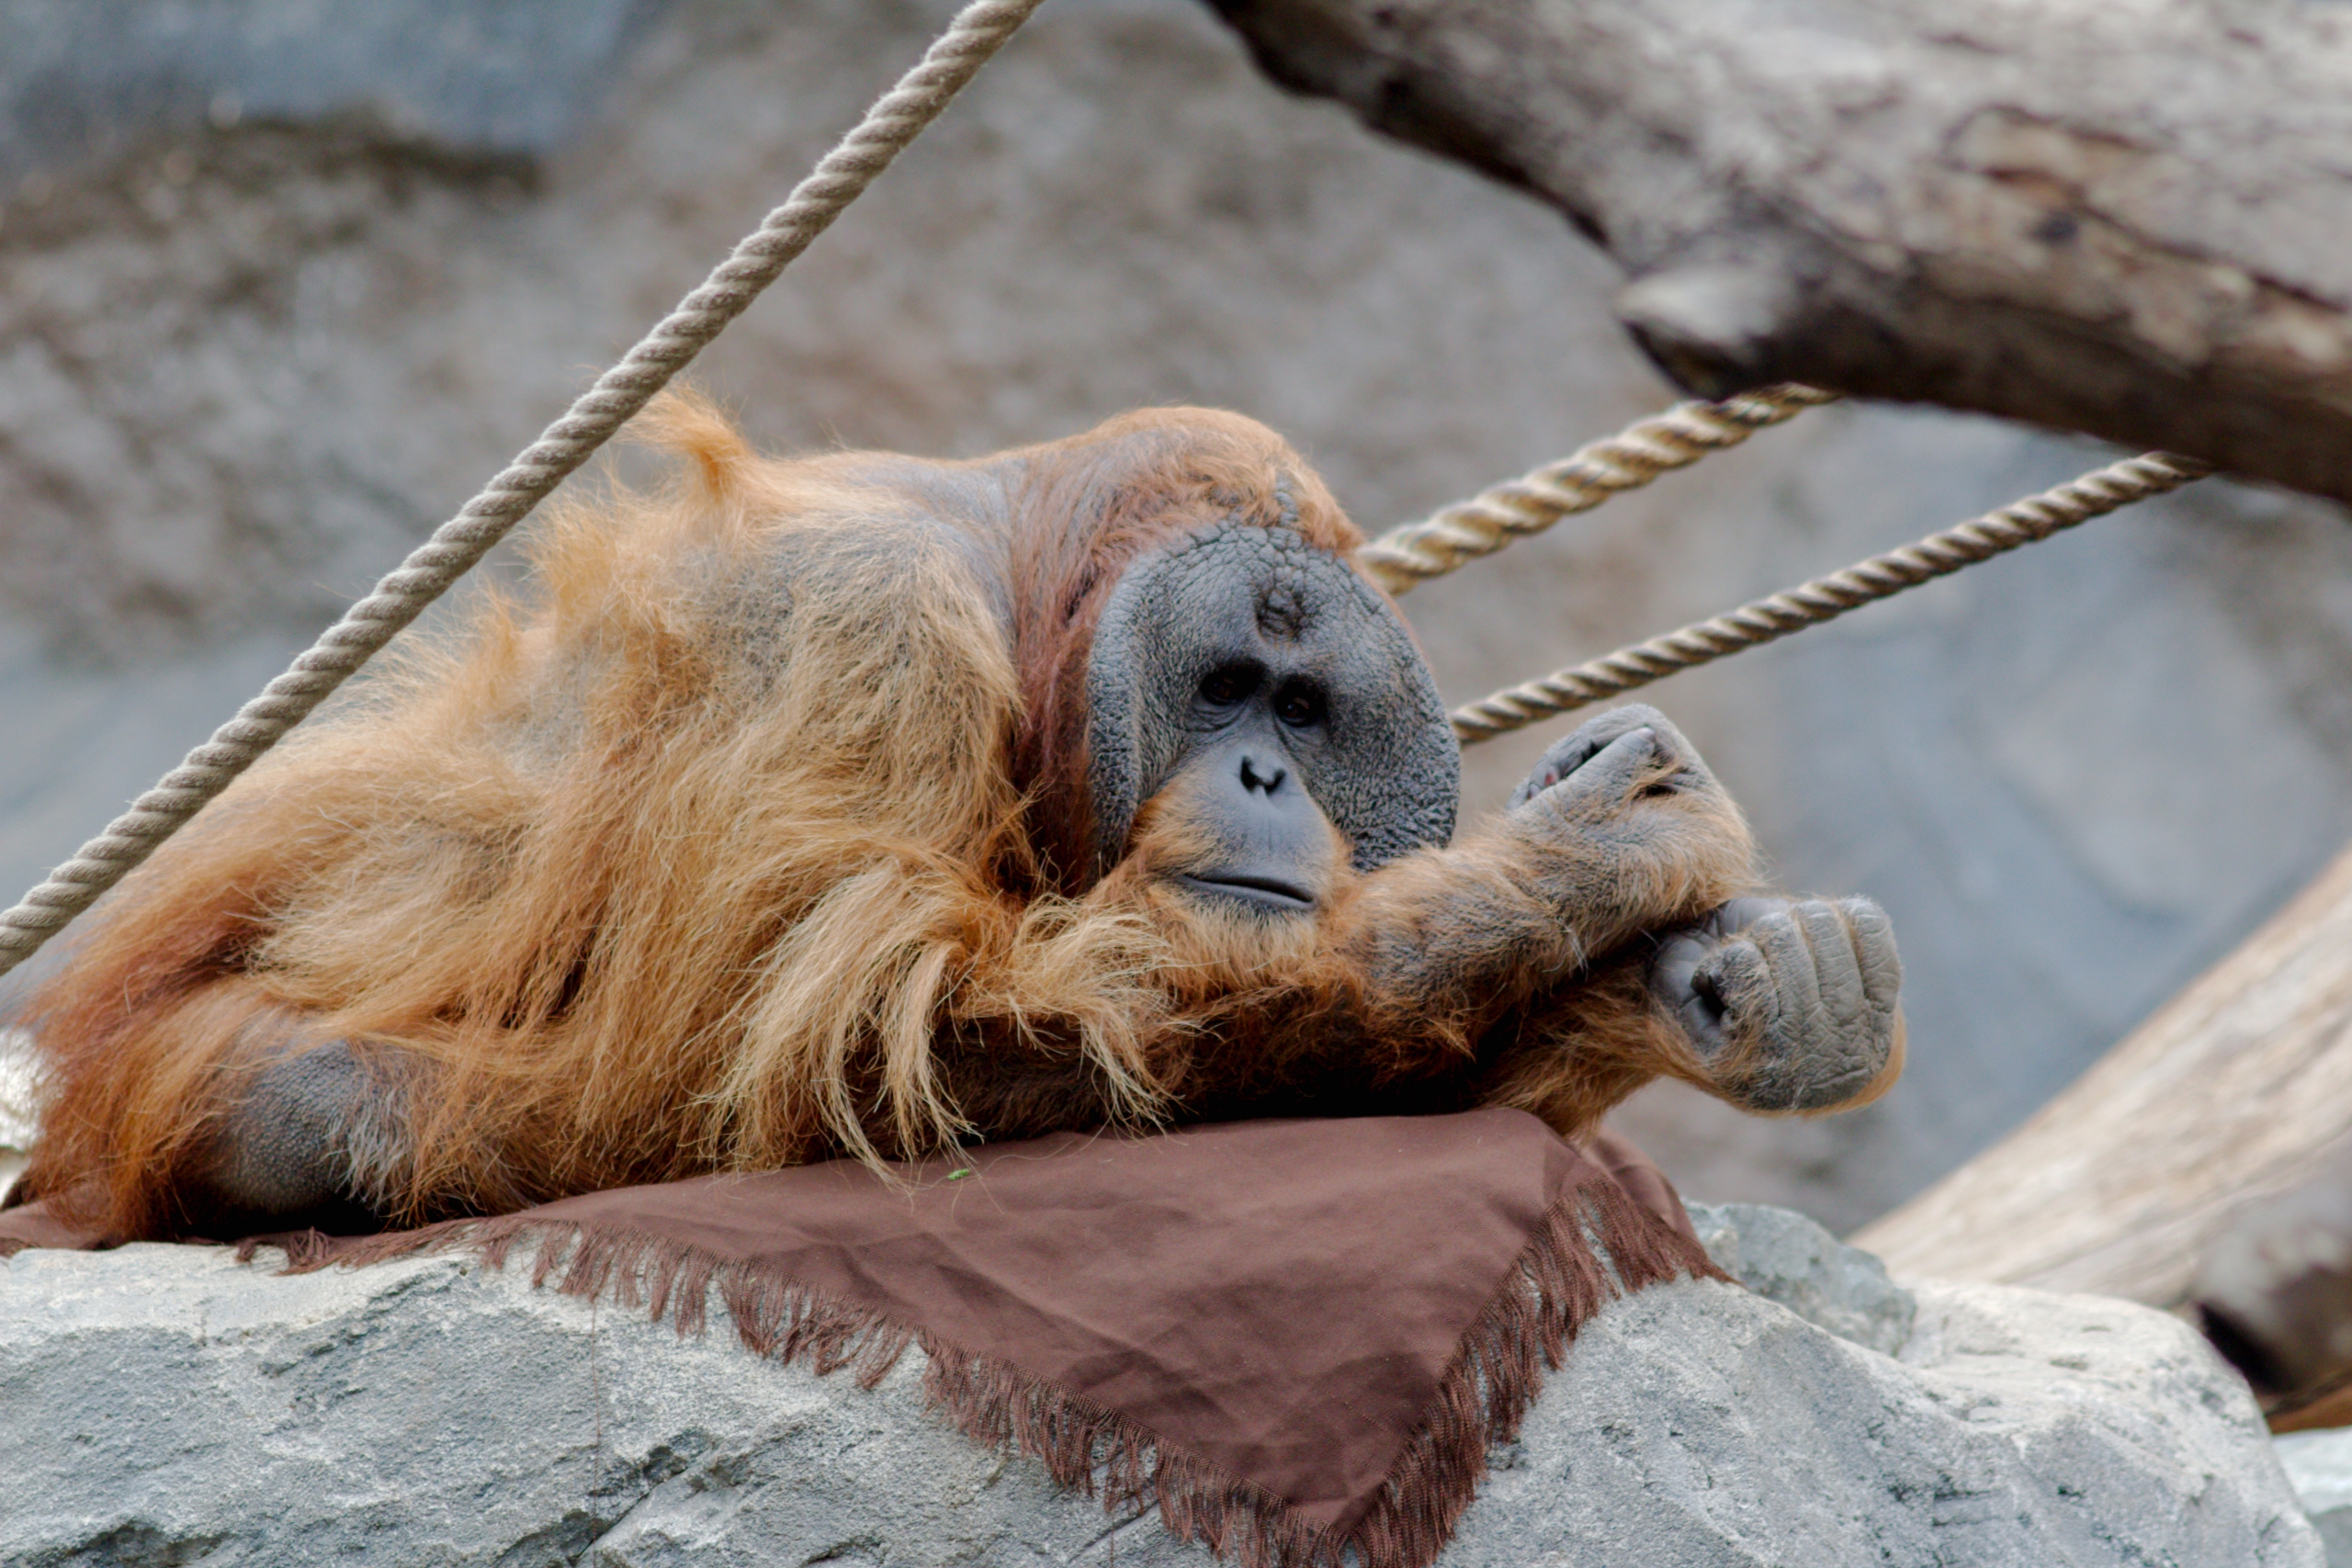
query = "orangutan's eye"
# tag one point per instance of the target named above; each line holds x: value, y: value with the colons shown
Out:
x: 1224, y: 687
x: 1299, y: 705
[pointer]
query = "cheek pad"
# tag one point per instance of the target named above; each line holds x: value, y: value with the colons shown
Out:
x: 1386, y: 768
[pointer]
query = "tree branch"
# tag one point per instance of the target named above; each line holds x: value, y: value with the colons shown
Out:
x: 2129, y: 217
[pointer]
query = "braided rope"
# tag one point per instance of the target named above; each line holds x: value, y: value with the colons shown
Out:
x: 1627, y: 460
x: 896, y: 118
x: 1826, y: 598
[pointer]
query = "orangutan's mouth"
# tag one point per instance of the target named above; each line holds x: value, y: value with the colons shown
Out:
x: 1257, y: 891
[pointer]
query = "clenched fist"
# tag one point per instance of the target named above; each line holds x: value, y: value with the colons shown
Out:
x: 1791, y: 1004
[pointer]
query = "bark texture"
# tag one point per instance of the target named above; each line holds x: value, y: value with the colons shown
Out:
x: 2120, y: 217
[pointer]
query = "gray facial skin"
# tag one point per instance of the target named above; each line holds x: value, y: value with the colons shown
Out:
x: 1270, y: 833
x: 1281, y: 682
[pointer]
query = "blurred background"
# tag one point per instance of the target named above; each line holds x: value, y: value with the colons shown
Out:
x: 283, y: 281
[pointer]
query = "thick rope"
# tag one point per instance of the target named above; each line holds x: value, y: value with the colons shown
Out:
x: 1627, y: 460
x: 1824, y: 599
x: 976, y: 34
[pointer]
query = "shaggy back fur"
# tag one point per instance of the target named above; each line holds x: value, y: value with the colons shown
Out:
x: 684, y: 863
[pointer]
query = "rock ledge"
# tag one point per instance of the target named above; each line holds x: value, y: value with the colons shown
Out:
x: 169, y: 1405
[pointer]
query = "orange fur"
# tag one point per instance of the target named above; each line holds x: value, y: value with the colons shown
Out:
x: 757, y: 835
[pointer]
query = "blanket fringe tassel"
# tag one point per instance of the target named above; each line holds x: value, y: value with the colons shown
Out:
x: 1558, y: 1282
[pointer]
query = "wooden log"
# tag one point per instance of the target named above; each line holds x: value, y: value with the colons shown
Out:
x: 2230, y: 1093
x: 2275, y: 1295
x: 2122, y: 217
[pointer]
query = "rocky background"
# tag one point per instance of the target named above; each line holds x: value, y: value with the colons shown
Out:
x: 281, y: 281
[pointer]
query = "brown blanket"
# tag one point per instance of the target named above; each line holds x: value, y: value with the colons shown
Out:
x: 1297, y: 1337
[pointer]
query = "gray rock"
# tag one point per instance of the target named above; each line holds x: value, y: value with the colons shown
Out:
x: 480, y: 78
x: 168, y: 1405
x: 2318, y: 1466
x: 1783, y: 1256
x: 2019, y: 1428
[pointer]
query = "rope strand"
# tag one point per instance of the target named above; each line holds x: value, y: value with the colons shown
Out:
x: 902, y: 114
x: 1826, y: 598
x: 1578, y: 482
